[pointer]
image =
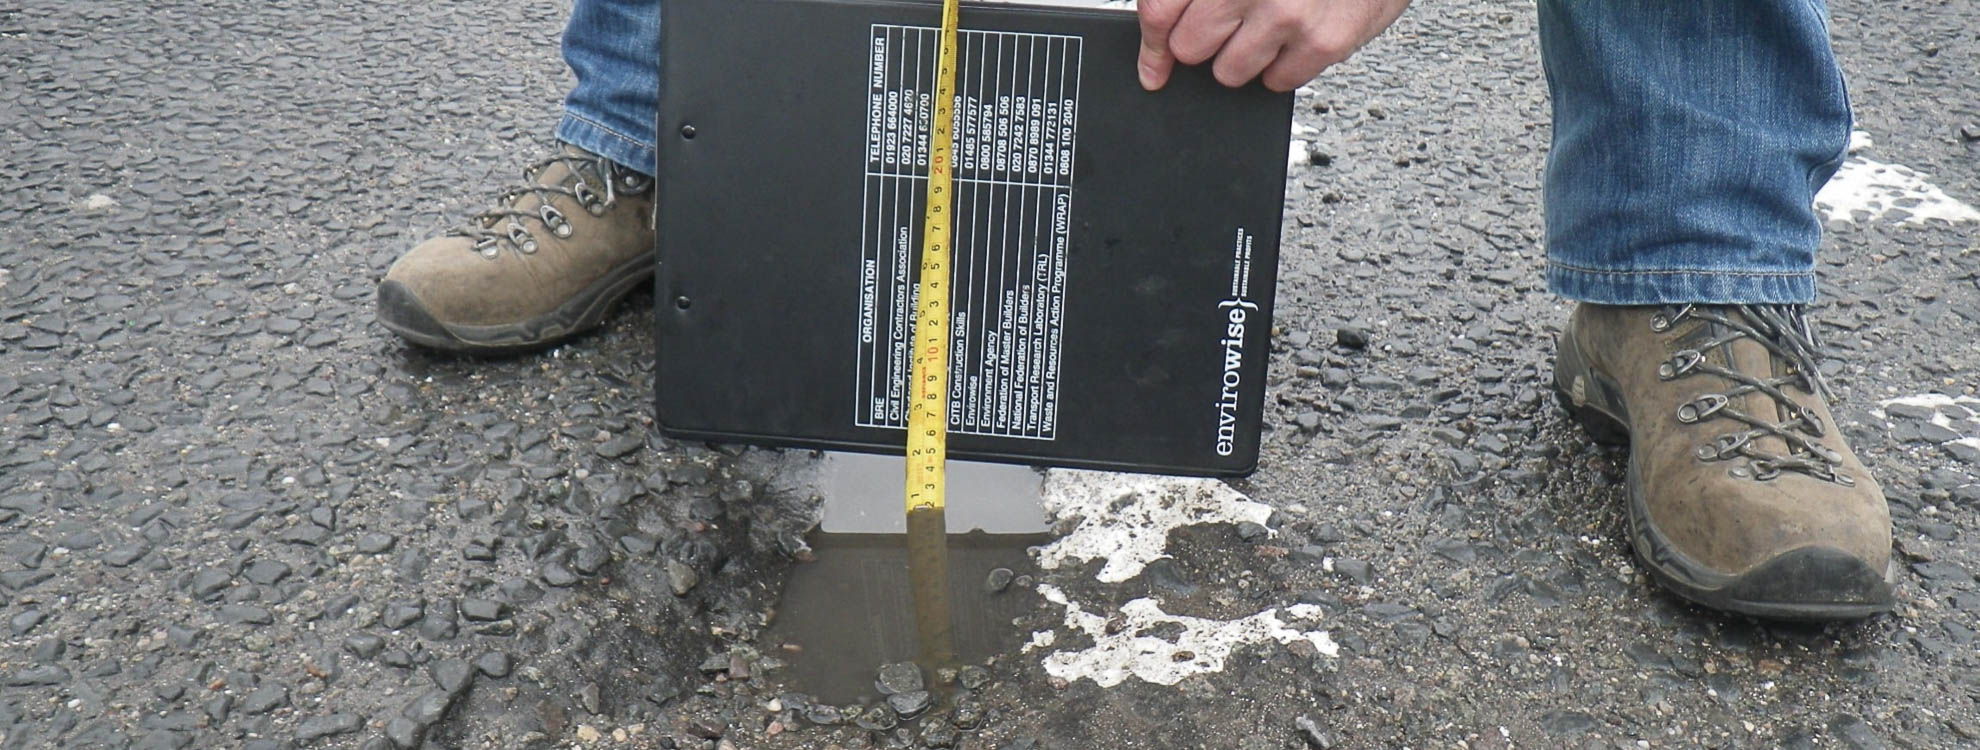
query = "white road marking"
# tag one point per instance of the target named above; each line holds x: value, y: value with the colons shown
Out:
x: 1865, y: 189
x: 1297, y: 155
x: 1201, y: 646
x: 1125, y: 519
x: 1933, y: 401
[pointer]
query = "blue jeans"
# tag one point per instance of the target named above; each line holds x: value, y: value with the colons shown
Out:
x: 1689, y: 138
x: 613, y: 46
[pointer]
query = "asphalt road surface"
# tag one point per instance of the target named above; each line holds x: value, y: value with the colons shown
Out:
x: 235, y: 512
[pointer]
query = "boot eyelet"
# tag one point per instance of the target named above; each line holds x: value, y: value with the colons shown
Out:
x: 1701, y: 407
x: 522, y: 239
x: 586, y: 198
x: 554, y: 219
x: 1660, y: 323
x: 551, y: 216
x: 1681, y: 364
x: 1724, y: 446
x: 1765, y: 471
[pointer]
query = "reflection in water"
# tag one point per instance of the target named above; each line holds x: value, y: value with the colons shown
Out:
x: 928, y: 577
x: 874, y: 595
x: 854, y: 608
x: 863, y: 495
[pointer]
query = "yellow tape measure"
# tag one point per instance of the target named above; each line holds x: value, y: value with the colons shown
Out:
x: 928, y: 417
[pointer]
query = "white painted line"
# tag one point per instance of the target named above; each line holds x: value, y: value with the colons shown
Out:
x: 1933, y: 401
x: 1865, y: 190
x: 1930, y: 401
x: 1859, y: 141
x: 1202, y: 645
x: 1126, y: 518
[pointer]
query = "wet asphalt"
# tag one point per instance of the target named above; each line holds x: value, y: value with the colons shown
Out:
x: 235, y: 512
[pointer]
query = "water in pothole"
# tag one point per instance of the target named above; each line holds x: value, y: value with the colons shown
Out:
x: 939, y: 588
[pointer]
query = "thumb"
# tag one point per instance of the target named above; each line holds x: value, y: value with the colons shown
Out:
x: 1158, y: 18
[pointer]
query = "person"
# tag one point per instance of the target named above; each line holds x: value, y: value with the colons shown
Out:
x: 1689, y: 141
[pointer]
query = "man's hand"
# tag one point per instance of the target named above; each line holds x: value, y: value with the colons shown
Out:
x: 1288, y: 41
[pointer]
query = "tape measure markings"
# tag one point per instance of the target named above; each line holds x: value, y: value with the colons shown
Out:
x: 928, y: 409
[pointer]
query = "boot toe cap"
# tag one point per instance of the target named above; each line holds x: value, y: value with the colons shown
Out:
x: 1812, y: 583
x: 1793, y: 559
x: 400, y: 310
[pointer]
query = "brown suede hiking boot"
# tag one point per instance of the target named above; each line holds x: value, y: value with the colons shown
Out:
x: 546, y: 263
x: 1742, y: 494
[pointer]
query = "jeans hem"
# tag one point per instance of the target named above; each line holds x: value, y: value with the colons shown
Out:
x: 624, y: 150
x: 1677, y: 287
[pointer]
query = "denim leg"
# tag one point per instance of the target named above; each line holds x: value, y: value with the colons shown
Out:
x: 1689, y: 141
x: 613, y: 46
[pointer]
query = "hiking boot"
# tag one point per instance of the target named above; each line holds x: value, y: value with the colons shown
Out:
x: 1742, y: 494
x: 545, y: 263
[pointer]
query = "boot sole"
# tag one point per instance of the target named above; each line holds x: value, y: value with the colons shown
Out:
x: 1811, y: 583
x: 401, y: 312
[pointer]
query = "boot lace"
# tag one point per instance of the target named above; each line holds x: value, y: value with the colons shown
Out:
x: 506, y: 225
x: 1785, y: 332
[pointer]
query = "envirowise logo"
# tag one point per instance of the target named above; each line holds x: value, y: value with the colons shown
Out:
x: 1236, y: 310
